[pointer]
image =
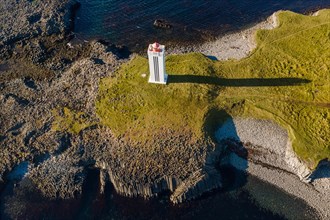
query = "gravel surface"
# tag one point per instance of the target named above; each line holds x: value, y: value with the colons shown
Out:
x: 271, y: 164
x: 231, y: 46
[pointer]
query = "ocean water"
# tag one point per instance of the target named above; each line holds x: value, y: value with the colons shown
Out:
x: 130, y: 22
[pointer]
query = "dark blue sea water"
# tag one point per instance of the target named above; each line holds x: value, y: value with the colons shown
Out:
x: 130, y: 22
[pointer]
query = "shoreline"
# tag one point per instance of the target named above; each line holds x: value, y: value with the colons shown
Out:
x: 291, y: 184
x: 236, y: 45
x: 316, y: 192
x: 280, y: 171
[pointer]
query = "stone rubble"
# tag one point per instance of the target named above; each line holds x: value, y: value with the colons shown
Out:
x: 236, y: 45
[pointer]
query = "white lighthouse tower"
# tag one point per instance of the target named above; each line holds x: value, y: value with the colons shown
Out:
x: 156, y: 56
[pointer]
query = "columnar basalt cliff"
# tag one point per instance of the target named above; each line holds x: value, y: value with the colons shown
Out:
x: 141, y: 171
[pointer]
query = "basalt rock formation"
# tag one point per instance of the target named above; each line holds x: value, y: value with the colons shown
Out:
x: 161, y: 23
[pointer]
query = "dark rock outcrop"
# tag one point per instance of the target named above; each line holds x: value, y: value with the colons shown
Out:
x: 161, y: 23
x: 26, y: 117
x: 203, y: 180
x: 33, y: 18
x: 146, y: 171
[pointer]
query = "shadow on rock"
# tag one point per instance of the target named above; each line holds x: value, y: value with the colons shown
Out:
x: 230, y: 156
x: 122, y: 52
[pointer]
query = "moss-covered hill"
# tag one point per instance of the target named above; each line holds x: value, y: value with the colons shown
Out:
x: 286, y: 79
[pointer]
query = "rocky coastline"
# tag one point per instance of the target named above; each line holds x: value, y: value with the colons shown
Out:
x: 42, y: 72
x: 230, y: 46
x: 270, y: 157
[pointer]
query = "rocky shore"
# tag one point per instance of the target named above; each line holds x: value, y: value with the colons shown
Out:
x: 230, y: 46
x: 41, y: 72
x: 29, y: 19
x: 271, y: 158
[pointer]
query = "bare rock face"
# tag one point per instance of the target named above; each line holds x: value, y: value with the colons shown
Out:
x: 148, y: 170
x: 26, y: 118
x: 40, y: 74
x: 32, y: 18
x: 59, y: 177
x: 203, y: 180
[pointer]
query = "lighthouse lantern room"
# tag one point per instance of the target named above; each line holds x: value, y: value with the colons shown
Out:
x: 156, y: 56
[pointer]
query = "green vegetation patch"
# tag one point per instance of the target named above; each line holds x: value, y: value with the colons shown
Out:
x: 136, y: 109
x: 70, y: 121
x: 285, y: 79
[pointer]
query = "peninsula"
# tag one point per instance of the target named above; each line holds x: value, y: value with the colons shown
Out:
x: 262, y: 107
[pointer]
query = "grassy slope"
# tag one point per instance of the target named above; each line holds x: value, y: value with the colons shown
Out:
x: 268, y: 84
x: 131, y: 106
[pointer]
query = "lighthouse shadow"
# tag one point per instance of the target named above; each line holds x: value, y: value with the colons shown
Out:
x: 237, y: 82
x: 231, y: 155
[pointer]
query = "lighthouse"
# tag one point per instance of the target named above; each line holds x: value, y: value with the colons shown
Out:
x: 156, y: 56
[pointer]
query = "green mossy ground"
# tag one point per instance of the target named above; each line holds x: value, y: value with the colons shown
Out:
x: 285, y: 79
x: 70, y: 121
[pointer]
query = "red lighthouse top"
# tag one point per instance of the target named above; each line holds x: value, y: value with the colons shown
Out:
x: 155, y: 47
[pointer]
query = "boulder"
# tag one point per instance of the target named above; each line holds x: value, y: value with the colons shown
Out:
x: 161, y: 23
